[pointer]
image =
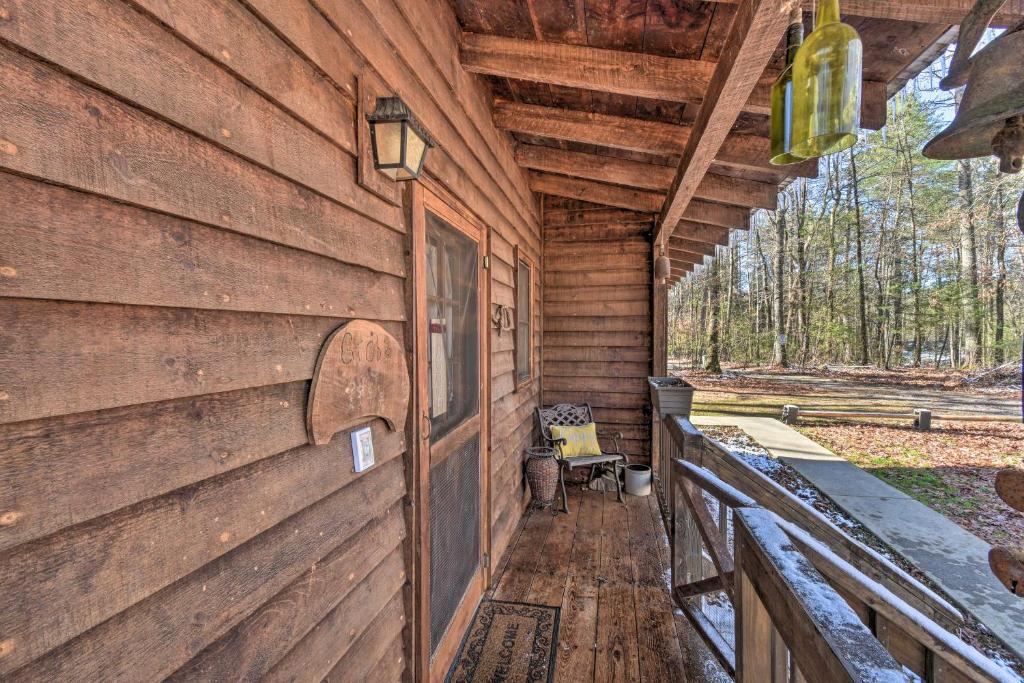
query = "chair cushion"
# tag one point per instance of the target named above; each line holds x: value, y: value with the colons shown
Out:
x: 580, y: 441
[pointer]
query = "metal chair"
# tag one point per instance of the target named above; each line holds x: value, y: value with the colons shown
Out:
x: 570, y: 415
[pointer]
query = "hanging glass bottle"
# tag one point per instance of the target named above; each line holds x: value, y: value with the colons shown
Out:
x: 827, y: 78
x: 782, y: 97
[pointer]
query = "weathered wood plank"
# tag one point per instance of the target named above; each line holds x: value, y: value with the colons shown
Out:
x: 353, y: 582
x: 442, y: 114
x: 65, y: 132
x: 600, y: 308
x: 125, y: 52
x: 373, y: 609
x: 755, y: 33
x: 702, y: 232
x: 601, y: 193
x: 639, y: 135
x: 640, y: 323
x: 360, y: 658
x: 617, y: 653
x: 597, y: 339
x: 169, y: 261
x: 101, y: 569
x: 597, y: 278
x: 615, y: 71
x: 599, y: 399
x: 137, y: 452
x: 124, y: 355
x: 585, y: 385
x: 578, y: 624
x: 583, y: 294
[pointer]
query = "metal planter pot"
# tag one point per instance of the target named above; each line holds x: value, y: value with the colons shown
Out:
x: 671, y: 396
x: 638, y: 480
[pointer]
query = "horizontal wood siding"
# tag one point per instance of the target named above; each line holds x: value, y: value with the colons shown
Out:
x: 181, y: 227
x: 597, y: 317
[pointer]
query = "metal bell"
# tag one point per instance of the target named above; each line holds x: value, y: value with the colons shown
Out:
x: 990, y: 119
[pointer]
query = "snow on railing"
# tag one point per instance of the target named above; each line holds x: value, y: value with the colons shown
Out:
x: 780, y: 594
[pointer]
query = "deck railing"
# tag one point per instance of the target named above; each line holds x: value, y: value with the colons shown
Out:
x: 780, y: 594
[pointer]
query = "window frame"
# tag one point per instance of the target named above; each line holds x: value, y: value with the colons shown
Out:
x: 519, y: 257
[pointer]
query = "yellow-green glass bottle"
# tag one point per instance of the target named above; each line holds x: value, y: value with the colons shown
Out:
x: 827, y: 77
x: 781, y: 122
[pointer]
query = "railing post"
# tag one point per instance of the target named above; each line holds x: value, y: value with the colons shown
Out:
x: 754, y: 631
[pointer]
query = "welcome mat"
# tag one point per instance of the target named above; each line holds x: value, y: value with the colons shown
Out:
x: 508, y: 642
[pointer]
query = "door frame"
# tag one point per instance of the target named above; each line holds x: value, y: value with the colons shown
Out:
x: 430, y: 196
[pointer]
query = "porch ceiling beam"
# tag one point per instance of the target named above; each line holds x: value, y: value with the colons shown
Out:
x: 637, y: 135
x: 625, y: 73
x: 755, y: 33
x: 923, y: 11
x: 694, y: 246
x: 685, y: 256
x: 637, y: 200
x: 591, y: 68
x: 715, y: 188
x: 701, y: 232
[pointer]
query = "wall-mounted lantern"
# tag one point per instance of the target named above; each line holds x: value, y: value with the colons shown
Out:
x: 399, y: 142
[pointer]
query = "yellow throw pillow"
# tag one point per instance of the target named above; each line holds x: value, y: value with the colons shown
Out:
x: 580, y: 441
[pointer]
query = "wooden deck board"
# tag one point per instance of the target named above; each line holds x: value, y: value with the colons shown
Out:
x: 605, y: 563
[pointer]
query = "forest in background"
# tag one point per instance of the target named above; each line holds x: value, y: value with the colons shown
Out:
x: 887, y: 258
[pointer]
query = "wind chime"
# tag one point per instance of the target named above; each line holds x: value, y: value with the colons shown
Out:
x: 815, y: 102
x: 990, y: 121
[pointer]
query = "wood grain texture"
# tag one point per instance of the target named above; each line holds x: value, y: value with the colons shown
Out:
x: 356, y: 577
x: 360, y: 374
x: 90, y: 565
x: 614, y: 71
x: 635, y: 174
x: 597, y: 325
x: 123, y: 355
x: 61, y: 244
x: 137, y: 452
x: 655, y: 137
x: 68, y: 133
x: 124, y: 52
x: 754, y: 35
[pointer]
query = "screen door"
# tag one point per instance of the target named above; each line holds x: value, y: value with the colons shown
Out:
x: 453, y: 361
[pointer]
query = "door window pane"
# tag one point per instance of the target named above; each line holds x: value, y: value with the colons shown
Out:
x: 453, y: 374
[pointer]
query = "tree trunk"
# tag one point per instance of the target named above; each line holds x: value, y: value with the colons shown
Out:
x: 998, y: 352
x: 715, y: 315
x: 969, y: 293
x: 862, y: 294
x: 779, y: 356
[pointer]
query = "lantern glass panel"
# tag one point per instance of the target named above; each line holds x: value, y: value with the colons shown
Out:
x: 415, y: 151
x: 388, y: 135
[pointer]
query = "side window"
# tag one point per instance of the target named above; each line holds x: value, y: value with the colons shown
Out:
x: 524, y: 319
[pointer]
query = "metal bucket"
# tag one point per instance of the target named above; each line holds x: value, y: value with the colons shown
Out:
x: 638, y: 480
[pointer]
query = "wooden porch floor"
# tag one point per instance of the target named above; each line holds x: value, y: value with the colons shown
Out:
x: 606, y: 564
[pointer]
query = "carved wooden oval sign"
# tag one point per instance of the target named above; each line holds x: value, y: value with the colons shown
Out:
x: 360, y: 374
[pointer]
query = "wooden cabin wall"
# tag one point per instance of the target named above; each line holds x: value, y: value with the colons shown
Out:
x: 597, y: 316
x: 180, y: 229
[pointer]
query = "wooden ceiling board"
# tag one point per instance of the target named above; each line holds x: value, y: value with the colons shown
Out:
x: 684, y: 29
x: 677, y: 28
x: 560, y: 21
